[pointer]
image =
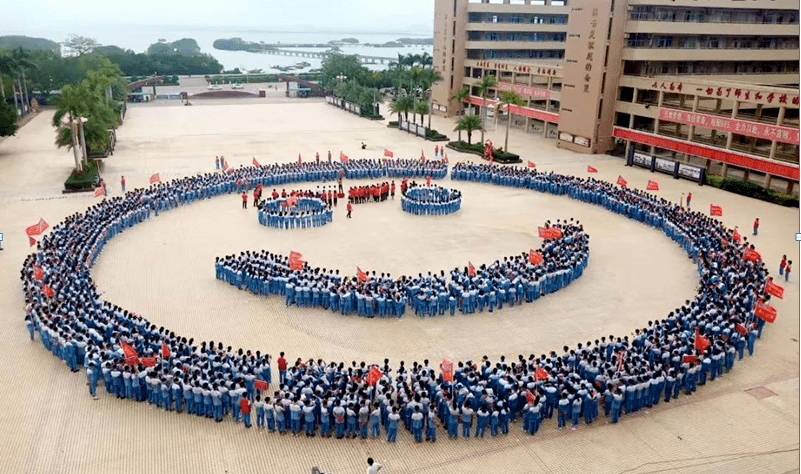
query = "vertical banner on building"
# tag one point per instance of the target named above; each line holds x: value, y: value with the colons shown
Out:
x: 583, y: 70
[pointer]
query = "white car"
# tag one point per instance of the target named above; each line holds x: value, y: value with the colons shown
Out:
x: 237, y: 86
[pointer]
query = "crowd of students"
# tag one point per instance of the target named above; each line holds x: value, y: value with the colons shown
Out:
x: 430, y: 200
x: 669, y: 357
x: 378, y: 192
x: 395, y: 168
x: 295, y: 213
x: 511, y: 281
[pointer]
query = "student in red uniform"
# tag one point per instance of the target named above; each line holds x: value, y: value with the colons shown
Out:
x: 783, y: 264
x: 244, y: 200
x: 122, y: 183
x: 281, y: 368
x: 349, y: 208
x: 756, y: 226
x: 689, y: 200
x: 244, y: 408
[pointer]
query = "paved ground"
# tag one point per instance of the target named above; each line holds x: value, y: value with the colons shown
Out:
x: 164, y: 269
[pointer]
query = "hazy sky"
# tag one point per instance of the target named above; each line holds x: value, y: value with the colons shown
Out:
x: 48, y: 17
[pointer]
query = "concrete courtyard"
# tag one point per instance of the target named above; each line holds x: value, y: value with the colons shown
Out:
x: 747, y: 421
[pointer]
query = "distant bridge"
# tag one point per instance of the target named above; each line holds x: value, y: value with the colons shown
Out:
x: 320, y: 55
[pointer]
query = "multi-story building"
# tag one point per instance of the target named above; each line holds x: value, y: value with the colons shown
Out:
x: 709, y: 82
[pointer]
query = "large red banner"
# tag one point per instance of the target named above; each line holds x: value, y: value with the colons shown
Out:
x: 765, y: 166
x: 526, y: 91
x: 740, y: 127
x: 522, y: 111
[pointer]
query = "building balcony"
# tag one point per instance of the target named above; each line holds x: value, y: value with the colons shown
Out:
x: 704, y: 54
x: 710, y: 28
x: 520, y: 45
x: 791, y: 5
x: 516, y: 27
x: 497, y: 8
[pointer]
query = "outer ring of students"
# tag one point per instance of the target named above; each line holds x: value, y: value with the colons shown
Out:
x: 431, y: 200
x: 294, y: 213
x: 694, y: 344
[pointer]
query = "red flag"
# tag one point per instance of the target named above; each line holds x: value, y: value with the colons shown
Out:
x: 428, y: 180
x: 590, y: 169
x: 239, y: 182
x: 690, y: 359
x: 541, y: 374
x: 99, y: 191
x: 38, y: 273
x: 741, y: 329
x: 229, y: 171
x: 343, y: 157
x: 261, y: 385
x: 31, y: 241
x: 621, y: 357
x: 299, y: 160
x: 723, y: 242
x: 148, y: 361
x: 549, y: 232
x: 225, y: 164
x: 531, y: 164
x: 422, y: 155
x: 622, y: 182
x: 765, y: 312
x: 155, y: 179
x: 256, y: 163
x: 701, y: 342
x: 37, y: 228
x: 751, y: 254
x: 445, y: 160
x: 374, y: 376
x: 715, y: 210
x: 295, y: 260
x: 542, y: 232
x: 446, y: 366
x: 529, y: 396
x: 360, y: 274
x: 471, y: 270
x: 48, y: 291
x: 652, y: 185
x: 131, y: 358
x: 291, y: 201
x: 534, y: 257
x: 165, y: 351
x: 774, y: 289
x: 388, y: 153
x: 736, y: 235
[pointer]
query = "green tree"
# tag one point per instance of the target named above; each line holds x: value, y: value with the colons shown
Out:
x: 79, y: 45
x: 402, y: 105
x: 461, y: 96
x: 468, y: 123
x: 337, y: 65
x: 509, y: 98
x: 427, y: 79
x: 483, y: 87
x: 8, y: 119
x: 421, y: 108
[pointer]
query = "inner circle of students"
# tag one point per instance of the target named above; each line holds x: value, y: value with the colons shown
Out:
x: 611, y: 376
x: 430, y: 200
x: 295, y: 212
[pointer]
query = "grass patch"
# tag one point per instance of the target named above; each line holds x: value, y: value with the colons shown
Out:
x: 753, y: 190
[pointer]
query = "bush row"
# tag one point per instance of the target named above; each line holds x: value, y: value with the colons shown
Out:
x: 478, y: 149
x: 86, y: 179
x: 754, y: 190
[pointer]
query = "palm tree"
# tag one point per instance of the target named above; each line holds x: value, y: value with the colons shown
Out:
x: 401, y: 105
x: 461, y: 96
x: 428, y: 78
x: 482, y: 89
x: 426, y: 59
x: 71, y: 103
x: 509, y: 98
x: 414, y: 75
x: 422, y: 109
x: 468, y: 123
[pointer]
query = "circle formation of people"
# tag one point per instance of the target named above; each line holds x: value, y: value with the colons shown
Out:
x: 665, y: 359
x: 511, y: 281
x: 430, y: 200
x: 295, y: 213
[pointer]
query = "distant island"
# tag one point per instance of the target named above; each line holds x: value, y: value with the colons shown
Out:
x: 238, y: 44
x: 184, y: 47
x: 29, y: 43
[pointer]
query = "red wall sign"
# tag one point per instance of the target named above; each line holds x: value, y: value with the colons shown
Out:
x: 765, y: 166
x: 522, y: 111
x: 740, y: 127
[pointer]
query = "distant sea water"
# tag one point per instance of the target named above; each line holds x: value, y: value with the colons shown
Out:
x: 139, y: 38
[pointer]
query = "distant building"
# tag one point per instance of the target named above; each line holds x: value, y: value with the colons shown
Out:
x: 712, y: 82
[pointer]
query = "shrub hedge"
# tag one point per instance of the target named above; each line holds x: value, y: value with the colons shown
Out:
x: 434, y: 135
x: 478, y: 149
x: 86, y: 179
x: 754, y: 190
